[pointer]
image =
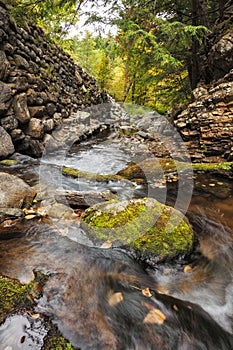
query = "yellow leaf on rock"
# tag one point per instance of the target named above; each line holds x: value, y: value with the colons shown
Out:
x: 115, y: 299
x: 30, y: 217
x: 175, y: 308
x: 106, y: 245
x: 155, y: 316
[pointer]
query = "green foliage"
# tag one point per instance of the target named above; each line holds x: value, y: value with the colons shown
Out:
x: 151, y: 61
x: 55, y: 17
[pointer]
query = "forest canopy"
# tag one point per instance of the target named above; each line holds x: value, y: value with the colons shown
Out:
x: 153, y: 56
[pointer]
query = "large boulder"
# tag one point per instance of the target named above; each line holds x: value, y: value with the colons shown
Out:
x: 6, y: 145
x: 153, y: 230
x: 14, y: 192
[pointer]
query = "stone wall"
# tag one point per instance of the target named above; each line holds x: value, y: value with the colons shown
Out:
x: 39, y: 86
x: 206, y: 125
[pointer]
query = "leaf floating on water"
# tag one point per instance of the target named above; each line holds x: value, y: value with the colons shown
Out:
x: 155, y: 316
x: 175, y: 308
x: 147, y: 292
x: 115, y: 299
x: 106, y: 245
x: 211, y: 185
x: 187, y: 268
x: 220, y: 183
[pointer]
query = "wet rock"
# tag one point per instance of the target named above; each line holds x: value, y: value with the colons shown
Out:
x: 83, y: 199
x: 6, y: 145
x: 155, y: 231
x: 10, y: 213
x: 14, y: 192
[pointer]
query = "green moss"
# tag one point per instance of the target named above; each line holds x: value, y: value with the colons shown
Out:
x: 226, y: 166
x: 144, y: 224
x: 90, y: 176
x: 8, y: 162
x: 58, y: 343
x: 163, y: 242
x: 13, y: 294
x: 162, y: 166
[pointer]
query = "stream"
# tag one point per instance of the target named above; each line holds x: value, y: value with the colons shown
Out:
x: 74, y: 296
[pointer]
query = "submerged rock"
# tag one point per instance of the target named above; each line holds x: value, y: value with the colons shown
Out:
x: 155, y: 231
x: 14, y: 192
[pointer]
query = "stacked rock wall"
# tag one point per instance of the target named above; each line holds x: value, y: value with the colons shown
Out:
x: 39, y: 86
x: 206, y: 125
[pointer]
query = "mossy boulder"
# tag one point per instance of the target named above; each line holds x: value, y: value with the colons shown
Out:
x: 155, y: 231
x: 13, y: 295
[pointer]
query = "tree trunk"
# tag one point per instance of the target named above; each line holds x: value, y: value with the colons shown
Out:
x: 194, y: 64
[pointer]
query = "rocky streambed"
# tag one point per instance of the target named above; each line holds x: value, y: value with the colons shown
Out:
x: 115, y: 241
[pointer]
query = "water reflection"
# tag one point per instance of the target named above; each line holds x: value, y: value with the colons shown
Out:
x: 22, y: 332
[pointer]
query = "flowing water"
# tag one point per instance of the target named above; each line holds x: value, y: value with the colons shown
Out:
x: 74, y: 296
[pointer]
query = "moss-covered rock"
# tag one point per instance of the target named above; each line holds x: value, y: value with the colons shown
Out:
x: 158, y: 167
x: 8, y: 162
x: 13, y: 295
x: 90, y: 176
x: 57, y: 343
x: 145, y: 225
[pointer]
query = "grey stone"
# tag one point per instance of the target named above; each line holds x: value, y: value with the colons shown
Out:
x: 37, y: 111
x: 21, y: 108
x: 4, y: 66
x: 14, y: 192
x: 35, y: 128
x: 17, y: 135
x: 9, y: 123
x: 21, y: 62
x: 5, y: 92
x: 6, y: 145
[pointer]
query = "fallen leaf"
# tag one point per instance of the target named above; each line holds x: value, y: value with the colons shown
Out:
x: 35, y: 316
x: 115, y: 299
x: 106, y: 245
x: 29, y: 211
x: 187, y: 268
x: 211, y: 185
x: 175, y: 308
x: 155, y: 316
x: 30, y: 217
x: 147, y: 292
